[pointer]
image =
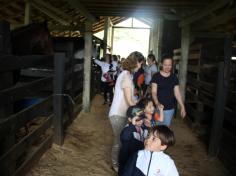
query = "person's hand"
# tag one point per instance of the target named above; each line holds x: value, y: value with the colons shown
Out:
x: 182, y: 112
x: 147, y: 122
x: 160, y: 106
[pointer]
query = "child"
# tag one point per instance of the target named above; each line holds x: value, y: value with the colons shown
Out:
x: 152, y: 117
x: 152, y: 161
x: 132, y: 136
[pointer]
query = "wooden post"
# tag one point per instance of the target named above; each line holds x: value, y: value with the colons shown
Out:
x: 150, y: 44
x: 27, y: 12
x: 112, y: 40
x: 87, y: 66
x: 106, y: 28
x: 5, y: 110
x: 220, y: 101
x: 153, y: 43
x: 185, y: 41
x: 58, y: 99
x: 160, y: 35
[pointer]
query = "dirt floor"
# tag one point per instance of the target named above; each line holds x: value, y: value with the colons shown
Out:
x: 87, y: 146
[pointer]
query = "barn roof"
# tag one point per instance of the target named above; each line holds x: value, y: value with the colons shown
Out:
x: 64, y: 16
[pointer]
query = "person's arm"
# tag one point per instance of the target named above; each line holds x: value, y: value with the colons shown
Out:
x: 161, y: 110
x: 154, y: 95
x: 128, y: 96
x: 180, y: 101
x: 172, y: 170
x: 153, y: 70
x: 126, y: 85
x: 98, y: 62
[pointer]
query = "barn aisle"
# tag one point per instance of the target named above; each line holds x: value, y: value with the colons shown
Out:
x: 86, y: 151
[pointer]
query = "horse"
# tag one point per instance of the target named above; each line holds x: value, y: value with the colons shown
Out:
x: 31, y: 39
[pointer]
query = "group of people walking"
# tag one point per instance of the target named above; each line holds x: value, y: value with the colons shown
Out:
x: 140, y: 113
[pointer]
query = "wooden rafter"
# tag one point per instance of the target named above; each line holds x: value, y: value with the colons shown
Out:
x: 76, y: 4
x: 57, y: 11
x: 50, y: 14
x: 66, y: 28
x: 206, y: 11
x: 224, y: 17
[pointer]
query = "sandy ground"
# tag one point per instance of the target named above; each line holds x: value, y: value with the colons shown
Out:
x: 87, y: 146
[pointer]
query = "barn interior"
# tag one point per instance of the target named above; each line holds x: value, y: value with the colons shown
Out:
x: 44, y: 87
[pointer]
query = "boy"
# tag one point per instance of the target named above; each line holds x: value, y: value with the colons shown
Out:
x: 152, y: 161
x: 132, y: 136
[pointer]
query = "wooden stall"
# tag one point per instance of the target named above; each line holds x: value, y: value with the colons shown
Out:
x: 37, y: 105
x: 25, y: 131
x: 210, y: 95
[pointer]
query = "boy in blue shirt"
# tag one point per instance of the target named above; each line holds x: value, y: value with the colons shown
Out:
x: 152, y: 161
x: 132, y: 136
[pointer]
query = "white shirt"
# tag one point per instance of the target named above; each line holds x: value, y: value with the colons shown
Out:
x: 149, y: 71
x: 119, y: 104
x: 104, y: 66
x: 160, y: 164
x: 114, y: 65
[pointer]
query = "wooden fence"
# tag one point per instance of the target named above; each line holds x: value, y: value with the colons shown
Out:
x: 211, y: 97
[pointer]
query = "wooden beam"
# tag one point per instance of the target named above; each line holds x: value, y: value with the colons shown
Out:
x: 50, y: 14
x: 185, y: 42
x: 220, y: 101
x: 208, y: 35
x: 105, y: 38
x: 19, y: 92
x: 57, y: 11
x: 62, y: 28
x: 84, y: 12
x: 20, y: 62
x: 153, y: 3
x: 228, y: 15
x: 87, y: 66
x: 58, y: 100
x: 33, y: 157
x: 27, y: 12
x: 206, y: 11
x: 20, y: 147
x: 159, y: 37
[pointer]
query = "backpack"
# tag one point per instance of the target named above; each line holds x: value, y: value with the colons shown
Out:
x: 109, y: 76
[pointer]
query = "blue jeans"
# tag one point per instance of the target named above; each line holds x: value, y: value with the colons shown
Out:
x: 168, y: 114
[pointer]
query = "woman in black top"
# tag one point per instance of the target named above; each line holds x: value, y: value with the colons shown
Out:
x: 165, y: 89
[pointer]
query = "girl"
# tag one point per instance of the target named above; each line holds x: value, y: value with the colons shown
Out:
x: 152, y: 117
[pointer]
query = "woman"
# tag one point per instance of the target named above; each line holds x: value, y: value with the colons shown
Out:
x: 165, y: 89
x: 123, y: 98
x: 150, y: 70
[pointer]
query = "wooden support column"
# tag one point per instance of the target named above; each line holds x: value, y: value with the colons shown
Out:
x: 150, y: 47
x: 6, y: 109
x: 153, y: 39
x: 160, y: 25
x: 105, y: 38
x: 87, y: 66
x: 185, y: 42
x: 27, y: 12
x: 220, y: 101
x: 58, y: 99
x: 112, y: 37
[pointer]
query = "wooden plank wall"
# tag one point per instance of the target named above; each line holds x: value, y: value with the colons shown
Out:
x: 203, y: 68
x: 26, y: 133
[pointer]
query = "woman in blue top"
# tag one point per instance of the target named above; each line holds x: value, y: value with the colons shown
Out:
x: 165, y: 89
